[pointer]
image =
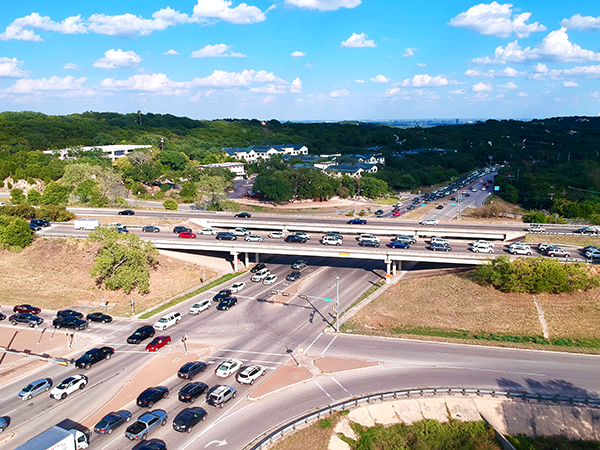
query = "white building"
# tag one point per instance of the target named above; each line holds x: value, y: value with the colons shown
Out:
x: 238, y: 168
x: 110, y: 151
x: 256, y: 152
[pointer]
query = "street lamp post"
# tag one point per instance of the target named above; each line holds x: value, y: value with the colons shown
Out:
x: 337, y: 304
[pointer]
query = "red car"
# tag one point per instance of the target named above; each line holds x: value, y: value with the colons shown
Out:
x: 26, y: 309
x: 157, y: 343
x: 187, y: 235
x: 397, y: 213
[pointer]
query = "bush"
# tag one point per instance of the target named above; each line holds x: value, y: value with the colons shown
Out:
x: 16, y: 234
x: 34, y: 197
x: 17, y: 197
x: 170, y: 205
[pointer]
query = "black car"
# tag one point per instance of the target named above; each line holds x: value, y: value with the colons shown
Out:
x: 126, y: 212
x: 222, y: 294
x: 153, y: 445
x: 34, y: 227
x: 150, y: 229
x: 98, y: 317
x: 243, y: 215
x: 188, y: 418
x: 70, y: 322
x: 189, y: 370
x: 295, y: 238
x: 225, y: 235
x: 191, y: 391
x: 69, y: 313
x: 369, y: 243
x: 294, y: 276
x: 180, y: 229
x: 28, y: 318
x: 2, y: 316
x: 40, y: 222
x: 150, y: 396
x: 91, y: 357
x: 227, y: 303
x: 259, y: 266
x: 112, y: 421
x: 141, y: 334
x: 379, y: 212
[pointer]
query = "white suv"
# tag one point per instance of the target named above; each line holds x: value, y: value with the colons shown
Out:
x: 331, y: 240
x: 429, y: 222
x: 520, y: 249
x: 367, y: 237
x: 261, y: 274
x: 167, y: 321
x: 482, y: 247
x: 438, y: 240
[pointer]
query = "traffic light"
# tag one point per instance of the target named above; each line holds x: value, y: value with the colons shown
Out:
x: 274, y: 292
x: 304, y: 297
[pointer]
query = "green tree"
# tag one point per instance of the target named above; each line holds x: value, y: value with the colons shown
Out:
x: 189, y: 191
x: 34, y: 197
x: 16, y: 234
x: 17, y: 197
x: 170, y: 204
x: 55, y: 194
x: 123, y: 261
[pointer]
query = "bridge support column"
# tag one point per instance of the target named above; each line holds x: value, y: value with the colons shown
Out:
x: 256, y: 258
x: 399, y: 265
x: 394, y: 264
x: 388, y: 265
x: 246, y: 260
x: 236, y: 261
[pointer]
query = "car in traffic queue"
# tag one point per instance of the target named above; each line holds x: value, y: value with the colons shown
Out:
x: 227, y: 303
x: 331, y: 240
x: 228, y: 367
x: 167, y: 321
x: 379, y: 212
x: 222, y: 294
x: 396, y: 213
x: 112, y: 421
x: 189, y: 370
x: 270, y: 279
x: 260, y: 275
x: 192, y: 391
x: 368, y: 243
x: 152, y: 395
x: 357, y: 222
x: 71, y: 322
x: 154, y: 444
x: 299, y: 264
x: 69, y: 313
x: 225, y: 236
x: 404, y: 238
x: 399, y: 244
x: 221, y: 395
x: 35, y: 388
x: 2, y: 316
x: 276, y: 235
x: 199, y: 306
x: 34, y: 227
x: 557, y: 251
x: 519, y: 249
x: 367, y: 236
x: 146, y: 423
x: 438, y: 240
x: 483, y: 242
x: 207, y: 231
x: 237, y: 287
x: 303, y: 234
x: 187, y: 235
x: 240, y: 231
x: 68, y: 386
x: 98, y: 317
x: 294, y: 238
x: 250, y: 373
x: 482, y: 248
x: 150, y: 229
x: 27, y: 309
x: 40, y: 222
x: 188, y: 418
x: 594, y: 254
x: 93, y: 356
x: 293, y: 276
x: 141, y: 334
x: 157, y: 343
x: 181, y: 229
x: 436, y: 247
x: 253, y: 238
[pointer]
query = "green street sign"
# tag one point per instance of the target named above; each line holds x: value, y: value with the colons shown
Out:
x: 328, y: 299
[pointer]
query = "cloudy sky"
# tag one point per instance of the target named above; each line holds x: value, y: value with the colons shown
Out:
x: 302, y: 59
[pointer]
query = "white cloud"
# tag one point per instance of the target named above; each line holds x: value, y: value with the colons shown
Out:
x: 309, y: 65
x: 392, y: 91
x: 577, y: 71
x: 480, y: 87
x: 127, y: 25
x: 71, y: 66
x: 595, y: 95
x: 116, y: 59
x: 570, y: 84
x: 507, y: 72
x: 9, y: 68
x: 268, y: 99
x: 270, y: 89
x: 579, y: 22
x: 522, y: 94
x: 555, y: 47
x: 21, y: 28
x: 358, y: 41
x: 213, y: 51
x: 421, y: 65
x: 458, y: 92
x: 495, y: 20
x: 340, y: 93
x: 425, y: 80
x: 171, y: 52
x: 28, y: 85
x: 360, y: 80
x: 409, y: 52
x: 380, y: 79
x: 298, y: 54
x: 296, y: 87
x: 222, y: 10
x: 509, y: 85
x: 324, y: 5
x: 540, y: 68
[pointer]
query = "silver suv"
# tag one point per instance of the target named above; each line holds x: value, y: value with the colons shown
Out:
x: 221, y: 395
x: 405, y: 239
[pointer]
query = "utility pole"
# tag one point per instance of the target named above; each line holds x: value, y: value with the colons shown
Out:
x: 459, y: 202
x: 337, y: 304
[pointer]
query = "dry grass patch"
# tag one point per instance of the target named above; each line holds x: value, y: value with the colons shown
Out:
x: 313, y: 437
x: 575, y: 316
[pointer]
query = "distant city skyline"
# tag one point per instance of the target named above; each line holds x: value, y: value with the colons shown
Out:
x: 303, y: 60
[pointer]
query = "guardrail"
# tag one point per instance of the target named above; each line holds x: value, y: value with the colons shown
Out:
x: 307, y: 419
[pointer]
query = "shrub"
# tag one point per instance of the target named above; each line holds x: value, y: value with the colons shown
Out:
x: 170, y: 205
x: 34, y: 197
x: 17, y: 197
x: 17, y: 234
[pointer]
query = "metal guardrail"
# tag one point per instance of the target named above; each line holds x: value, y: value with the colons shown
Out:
x: 307, y: 419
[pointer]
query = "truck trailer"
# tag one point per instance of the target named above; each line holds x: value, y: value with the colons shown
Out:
x: 86, y: 224
x: 57, y: 438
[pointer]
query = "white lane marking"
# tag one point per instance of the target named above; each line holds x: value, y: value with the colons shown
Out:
x: 111, y: 442
x: 256, y: 353
x: 311, y: 344
x: 340, y: 385
x: 329, y: 345
x: 326, y: 393
x: 6, y: 414
x: 117, y: 330
x: 438, y: 366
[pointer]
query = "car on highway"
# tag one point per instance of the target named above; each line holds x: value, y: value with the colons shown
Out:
x: 207, y: 231
x: 399, y: 244
x: 222, y: 294
x: 147, y: 422
x: 152, y: 395
x: 294, y: 238
x: 34, y: 227
x: 112, y: 421
x: 199, y: 306
x: 379, y: 212
x: 237, y: 287
x: 334, y: 234
x: 40, y: 222
x: 240, y: 231
x: 157, y: 343
x: 439, y: 247
x: 98, y: 317
x: 221, y: 395
x: 167, y: 321
x: 302, y: 234
x: 27, y: 309
x: 368, y: 243
x: 34, y: 388
x: 429, y: 222
x: 594, y: 254
x: 367, y: 237
x: 227, y: 303
x: 396, y: 213
x: 191, y: 391
x: 590, y: 229
x: 438, y: 240
x: 150, y: 229
x: 93, y: 356
x: 122, y: 230
x: 181, y: 229
x: 141, y: 334
x: 293, y: 276
x: 228, y: 367
x: 590, y: 247
x: 357, y: 222
x: 535, y: 229
x: 299, y: 264
x: 557, y: 251
x: 189, y: 370
x: 276, y: 235
x: 254, y: 238
x: 270, y: 279
x: 483, y: 242
x: 69, y: 313
x: 243, y: 215
x: 258, y: 267
x: 71, y: 322
x: 331, y: 240
x: 68, y: 386
x: 250, y: 373
x: 225, y: 236
x: 187, y: 235
x: 439, y: 207
x: 482, y: 248
x: 188, y: 418
x: 260, y: 275
x: 404, y: 238
x: 519, y: 249
x: 126, y: 212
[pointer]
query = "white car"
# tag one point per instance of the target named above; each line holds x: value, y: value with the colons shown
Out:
x: 68, y: 386
x: 438, y: 240
x: 594, y: 254
x: 482, y: 242
x: 240, y: 231
x: 237, y: 287
x: 520, y: 250
x: 302, y: 234
x: 250, y: 373
x: 482, y: 248
x: 209, y: 231
x: 254, y: 238
x: 429, y: 222
x: 260, y: 275
x: 331, y: 240
x: 270, y: 279
x: 276, y: 235
x: 228, y: 367
x: 166, y: 321
x: 200, y: 306
x: 535, y: 229
x: 367, y: 237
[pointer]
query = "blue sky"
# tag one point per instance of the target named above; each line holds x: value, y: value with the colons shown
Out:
x: 302, y: 59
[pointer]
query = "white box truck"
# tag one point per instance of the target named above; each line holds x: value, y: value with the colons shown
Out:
x: 57, y: 438
x: 86, y: 224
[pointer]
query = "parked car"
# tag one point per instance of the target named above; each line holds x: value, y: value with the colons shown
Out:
x: 299, y: 264
x: 439, y: 247
x: 254, y: 238
x: 557, y: 251
x: 227, y: 303
x: 68, y: 386
x: 181, y: 229
x: 293, y: 276
x: 237, y: 287
x: 221, y: 395
x: 167, y: 321
x: 27, y: 318
x: 189, y: 370
x: 34, y: 388
x: 199, y: 306
x: 260, y: 275
x: 258, y: 267
x: 240, y: 231
x: 27, y: 309
x: 243, y: 215
x: 40, y: 222
x: 157, y: 343
x: 146, y: 423
x: 69, y: 313
x: 141, y: 334
x: 207, y: 231
x: 191, y: 391
x: 406, y: 239
x: 187, y: 419
x: 294, y: 238
x: 399, y: 244
x: 222, y: 294
x: 276, y: 235
x: 98, y: 317
x: 150, y: 229
x: 368, y: 243
x: 126, y: 212
x: 225, y: 236
x: 93, y: 356
x: 270, y: 279
x: 187, y: 235
x: 429, y: 222
x: 250, y: 374
x: 228, y: 367
x: 71, y: 322
x: 152, y: 395
x: 112, y: 421
x: 357, y: 222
